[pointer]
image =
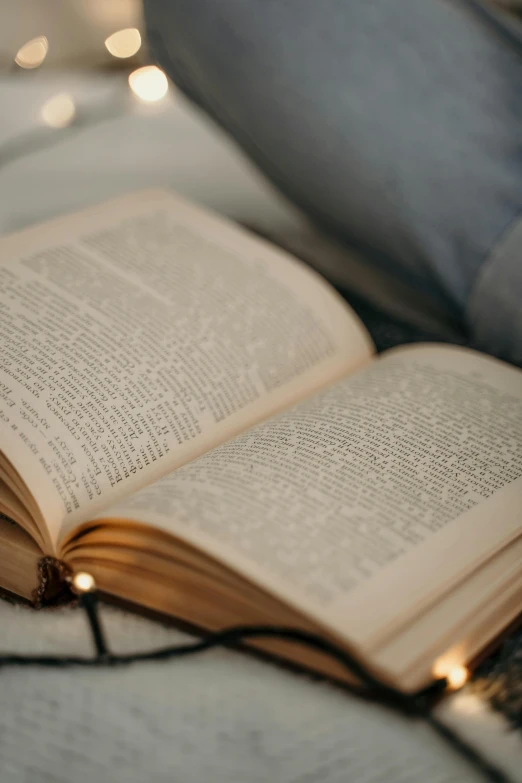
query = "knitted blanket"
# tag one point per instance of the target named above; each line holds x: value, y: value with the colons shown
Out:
x: 223, y: 717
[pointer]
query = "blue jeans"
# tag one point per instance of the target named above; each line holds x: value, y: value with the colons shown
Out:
x: 397, y: 126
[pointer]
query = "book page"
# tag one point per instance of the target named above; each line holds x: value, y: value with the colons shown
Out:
x: 139, y: 334
x: 366, y: 501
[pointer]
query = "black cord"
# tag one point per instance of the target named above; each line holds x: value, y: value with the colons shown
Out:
x: 415, y: 705
x: 89, y: 601
x: 476, y: 759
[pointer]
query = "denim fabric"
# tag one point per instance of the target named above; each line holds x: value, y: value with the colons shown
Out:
x: 397, y: 126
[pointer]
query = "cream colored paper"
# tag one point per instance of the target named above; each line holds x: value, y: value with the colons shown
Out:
x: 139, y: 334
x: 365, y: 503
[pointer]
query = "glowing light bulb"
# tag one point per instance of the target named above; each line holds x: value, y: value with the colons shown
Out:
x: 457, y: 677
x: 33, y: 53
x: 124, y: 43
x: 82, y: 582
x: 59, y: 111
x: 149, y: 84
x: 455, y: 674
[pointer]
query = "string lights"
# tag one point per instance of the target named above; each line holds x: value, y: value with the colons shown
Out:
x: 453, y: 671
x: 124, y: 43
x: 82, y: 582
x: 149, y: 84
x: 59, y: 111
x: 33, y: 53
x: 457, y: 677
x: 146, y: 85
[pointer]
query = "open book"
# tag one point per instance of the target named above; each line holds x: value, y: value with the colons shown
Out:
x: 198, y: 420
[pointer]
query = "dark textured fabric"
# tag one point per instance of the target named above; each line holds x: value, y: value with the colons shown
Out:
x: 499, y: 679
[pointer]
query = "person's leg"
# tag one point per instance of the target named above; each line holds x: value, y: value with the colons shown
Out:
x: 396, y: 126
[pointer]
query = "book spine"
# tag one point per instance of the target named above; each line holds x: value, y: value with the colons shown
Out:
x: 53, y: 582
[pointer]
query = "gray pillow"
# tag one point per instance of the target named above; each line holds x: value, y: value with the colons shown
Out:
x: 396, y: 127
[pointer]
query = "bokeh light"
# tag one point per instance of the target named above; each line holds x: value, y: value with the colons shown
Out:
x: 124, y: 43
x: 33, y: 53
x: 149, y: 83
x: 59, y: 111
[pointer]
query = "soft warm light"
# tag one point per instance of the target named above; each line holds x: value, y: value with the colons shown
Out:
x: 149, y: 84
x: 59, y: 112
x: 468, y: 704
x: 82, y: 582
x: 455, y: 674
x: 124, y: 43
x: 457, y: 677
x: 33, y: 53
